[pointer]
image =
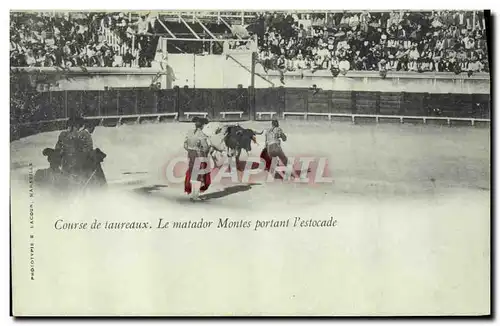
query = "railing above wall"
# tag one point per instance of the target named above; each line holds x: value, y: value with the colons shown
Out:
x: 320, y: 73
x: 92, y: 70
x: 393, y: 74
x: 184, y: 71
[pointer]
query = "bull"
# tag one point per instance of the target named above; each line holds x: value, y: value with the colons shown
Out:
x: 237, y: 138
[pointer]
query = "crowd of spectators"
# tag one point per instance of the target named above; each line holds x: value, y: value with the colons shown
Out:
x: 136, y: 33
x: 44, y: 40
x: 401, y: 41
x: 76, y: 39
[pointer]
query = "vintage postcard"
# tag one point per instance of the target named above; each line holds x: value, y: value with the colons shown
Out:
x: 250, y: 163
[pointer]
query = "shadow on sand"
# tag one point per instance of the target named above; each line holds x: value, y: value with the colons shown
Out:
x: 129, y: 173
x: 228, y: 191
x: 149, y: 189
x: 150, y: 192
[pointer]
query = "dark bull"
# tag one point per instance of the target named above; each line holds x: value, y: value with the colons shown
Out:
x: 237, y: 138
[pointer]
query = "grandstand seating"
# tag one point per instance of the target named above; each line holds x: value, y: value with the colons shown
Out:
x: 376, y: 40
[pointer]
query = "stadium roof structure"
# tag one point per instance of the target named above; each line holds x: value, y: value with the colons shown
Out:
x: 202, y: 25
x: 205, y: 25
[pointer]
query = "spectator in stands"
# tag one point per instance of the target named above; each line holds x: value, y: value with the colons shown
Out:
x: 30, y: 58
x: 128, y: 58
x: 108, y: 58
x: 96, y: 60
x: 142, y: 25
x: 17, y: 59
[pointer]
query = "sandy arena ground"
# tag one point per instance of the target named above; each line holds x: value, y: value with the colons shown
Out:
x: 412, y: 205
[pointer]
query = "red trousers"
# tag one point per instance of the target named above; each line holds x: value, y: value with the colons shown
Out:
x: 204, y: 178
x: 276, y: 152
x: 265, y: 156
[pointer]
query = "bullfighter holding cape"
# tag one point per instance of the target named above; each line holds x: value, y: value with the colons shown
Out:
x: 197, y: 147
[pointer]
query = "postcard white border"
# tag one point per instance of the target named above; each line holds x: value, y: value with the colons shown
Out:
x: 186, y: 4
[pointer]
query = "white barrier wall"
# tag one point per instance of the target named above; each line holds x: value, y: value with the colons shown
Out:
x: 211, y: 71
x: 99, y: 82
x: 355, y: 82
x: 215, y: 71
x: 183, y: 69
x: 237, y: 70
x: 98, y: 78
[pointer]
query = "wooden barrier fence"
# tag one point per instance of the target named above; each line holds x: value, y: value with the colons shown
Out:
x: 242, y: 104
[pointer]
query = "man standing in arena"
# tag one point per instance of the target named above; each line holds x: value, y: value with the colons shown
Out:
x: 85, y: 137
x: 197, y: 147
x: 273, y: 148
x: 90, y: 167
x: 68, y: 145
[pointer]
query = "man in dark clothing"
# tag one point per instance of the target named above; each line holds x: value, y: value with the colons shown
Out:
x: 67, y: 144
x: 128, y: 58
x: 85, y: 144
x: 16, y: 60
x: 52, y: 176
x: 92, y: 172
x: 108, y: 59
x: 94, y: 61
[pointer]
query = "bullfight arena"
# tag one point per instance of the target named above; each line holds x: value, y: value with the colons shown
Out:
x: 409, y: 201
